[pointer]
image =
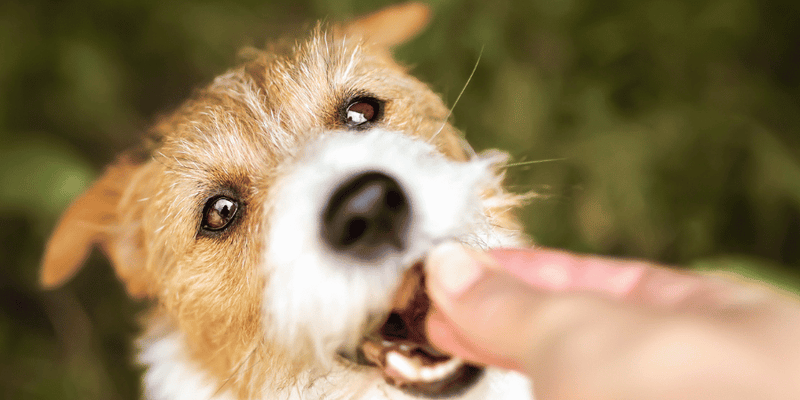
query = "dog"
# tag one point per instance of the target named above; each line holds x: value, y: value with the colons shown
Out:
x: 277, y: 221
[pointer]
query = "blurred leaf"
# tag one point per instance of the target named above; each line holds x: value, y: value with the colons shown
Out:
x: 39, y: 175
x: 92, y: 75
x: 777, y: 170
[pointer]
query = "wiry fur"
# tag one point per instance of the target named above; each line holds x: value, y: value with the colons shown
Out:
x: 443, y: 194
x: 259, y: 311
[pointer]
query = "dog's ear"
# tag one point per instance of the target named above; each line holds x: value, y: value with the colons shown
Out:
x: 94, y: 218
x: 391, y: 26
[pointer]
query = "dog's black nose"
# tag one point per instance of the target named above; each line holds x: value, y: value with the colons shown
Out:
x: 367, y: 216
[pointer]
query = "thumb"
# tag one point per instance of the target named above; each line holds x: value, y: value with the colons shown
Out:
x: 480, y: 312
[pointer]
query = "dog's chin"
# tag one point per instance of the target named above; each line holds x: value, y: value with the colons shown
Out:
x: 400, y: 349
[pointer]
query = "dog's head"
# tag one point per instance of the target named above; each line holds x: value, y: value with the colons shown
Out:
x: 276, y: 213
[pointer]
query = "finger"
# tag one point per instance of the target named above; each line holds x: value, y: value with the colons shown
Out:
x: 567, y: 342
x: 442, y: 333
x: 497, y: 301
x: 482, y: 311
x: 645, y: 284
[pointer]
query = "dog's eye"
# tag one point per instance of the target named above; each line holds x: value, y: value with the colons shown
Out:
x: 219, y: 213
x: 362, y: 111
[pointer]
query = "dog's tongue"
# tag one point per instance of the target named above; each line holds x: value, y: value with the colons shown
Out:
x: 402, y: 350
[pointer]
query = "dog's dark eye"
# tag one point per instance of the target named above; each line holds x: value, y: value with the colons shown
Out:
x: 362, y: 111
x: 219, y: 213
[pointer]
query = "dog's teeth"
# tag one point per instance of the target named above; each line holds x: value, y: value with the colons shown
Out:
x: 430, y: 374
x: 450, y: 366
x: 440, y: 371
x: 408, y: 367
x: 405, y: 347
x: 412, y: 369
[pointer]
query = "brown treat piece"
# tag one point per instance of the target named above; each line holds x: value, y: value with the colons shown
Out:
x: 409, y: 309
x: 413, y: 281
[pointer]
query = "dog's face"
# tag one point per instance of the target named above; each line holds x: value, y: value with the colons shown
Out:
x: 277, y: 212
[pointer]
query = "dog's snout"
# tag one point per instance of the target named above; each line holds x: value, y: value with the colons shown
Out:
x: 367, y: 216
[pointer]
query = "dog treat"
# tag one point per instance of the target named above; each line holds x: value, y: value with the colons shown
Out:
x: 402, y: 350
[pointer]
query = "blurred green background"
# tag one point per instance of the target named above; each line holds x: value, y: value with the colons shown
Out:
x: 675, y: 122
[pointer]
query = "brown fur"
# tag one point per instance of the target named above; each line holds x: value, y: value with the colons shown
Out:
x: 237, y: 133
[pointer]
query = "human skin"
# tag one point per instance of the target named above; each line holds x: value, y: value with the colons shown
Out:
x: 587, y: 327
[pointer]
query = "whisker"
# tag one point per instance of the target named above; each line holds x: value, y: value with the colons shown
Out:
x: 463, y: 89
x: 239, y: 369
x: 534, y: 162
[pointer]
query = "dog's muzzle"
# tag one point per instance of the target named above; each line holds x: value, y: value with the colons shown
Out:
x: 367, y: 218
x: 353, y: 217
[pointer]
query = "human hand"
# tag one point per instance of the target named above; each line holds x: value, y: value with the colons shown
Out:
x: 585, y: 327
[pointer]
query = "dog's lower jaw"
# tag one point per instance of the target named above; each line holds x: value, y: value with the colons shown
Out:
x: 172, y: 375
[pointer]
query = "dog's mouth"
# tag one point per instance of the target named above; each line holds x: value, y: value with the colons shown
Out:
x: 401, y: 350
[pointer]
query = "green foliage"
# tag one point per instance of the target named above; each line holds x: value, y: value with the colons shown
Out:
x: 677, y: 123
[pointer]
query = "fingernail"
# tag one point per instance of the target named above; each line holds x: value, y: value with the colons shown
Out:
x: 453, y: 267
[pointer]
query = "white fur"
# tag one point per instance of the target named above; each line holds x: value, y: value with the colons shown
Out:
x: 170, y: 374
x: 318, y: 300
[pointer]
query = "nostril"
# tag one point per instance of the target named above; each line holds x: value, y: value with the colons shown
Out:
x: 355, y: 229
x: 366, y: 216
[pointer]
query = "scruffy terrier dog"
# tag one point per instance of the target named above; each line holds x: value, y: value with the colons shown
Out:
x: 278, y: 220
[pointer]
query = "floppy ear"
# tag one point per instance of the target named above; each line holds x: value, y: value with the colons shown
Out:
x: 391, y: 26
x: 94, y: 218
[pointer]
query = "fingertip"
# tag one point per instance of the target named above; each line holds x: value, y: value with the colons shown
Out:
x: 452, y: 269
